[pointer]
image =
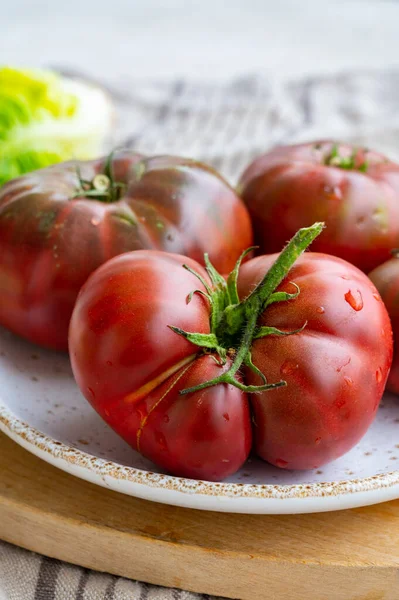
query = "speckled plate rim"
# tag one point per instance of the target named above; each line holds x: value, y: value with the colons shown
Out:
x: 202, y: 495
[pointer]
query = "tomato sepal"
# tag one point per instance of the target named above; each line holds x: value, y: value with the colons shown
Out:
x: 234, y: 323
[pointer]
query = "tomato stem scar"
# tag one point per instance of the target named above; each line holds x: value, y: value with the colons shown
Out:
x: 102, y: 187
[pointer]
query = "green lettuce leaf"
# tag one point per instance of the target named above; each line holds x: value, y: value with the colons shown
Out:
x: 46, y: 118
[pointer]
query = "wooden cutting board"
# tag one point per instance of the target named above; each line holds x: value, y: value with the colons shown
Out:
x: 349, y: 555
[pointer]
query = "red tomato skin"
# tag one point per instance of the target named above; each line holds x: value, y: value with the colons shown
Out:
x: 291, y: 187
x: 386, y: 279
x: 130, y: 365
x: 336, y: 368
x: 120, y: 342
x: 204, y: 435
x: 50, y: 241
x: 119, y: 336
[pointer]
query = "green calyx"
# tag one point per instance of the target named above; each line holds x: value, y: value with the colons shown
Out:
x: 234, y: 323
x: 349, y: 163
x: 102, y: 187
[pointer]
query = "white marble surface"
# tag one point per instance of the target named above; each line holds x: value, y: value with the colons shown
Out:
x: 211, y: 39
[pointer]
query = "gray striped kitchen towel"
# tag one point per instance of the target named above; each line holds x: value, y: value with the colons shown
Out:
x: 226, y: 125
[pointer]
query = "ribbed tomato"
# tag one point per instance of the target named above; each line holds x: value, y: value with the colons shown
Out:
x: 131, y: 366
x: 353, y: 190
x: 336, y: 368
x: 59, y: 224
x: 386, y: 279
x: 305, y: 347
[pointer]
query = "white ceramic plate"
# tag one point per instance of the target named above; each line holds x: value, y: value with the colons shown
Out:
x: 42, y: 409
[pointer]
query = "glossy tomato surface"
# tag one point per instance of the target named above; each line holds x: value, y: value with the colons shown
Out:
x: 336, y: 368
x: 294, y: 186
x: 131, y: 366
x: 52, y: 236
x: 386, y: 279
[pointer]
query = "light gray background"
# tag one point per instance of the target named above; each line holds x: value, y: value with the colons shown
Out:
x: 208, y: 39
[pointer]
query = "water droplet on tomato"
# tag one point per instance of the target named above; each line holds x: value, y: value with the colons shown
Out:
x: 160, y: 438
x: 320, y: 310
x: 95, y: 221
x: 377, y: 297
x: 109, y: 363
x: 378, y: 375
x: 91, y: 392
x: 360, y: 220
x: 166, y: 419
x: 334, y: 192
x: 339, y: 369
x: 348, y: 380
x: 337, y: 191
x: 340, y: 403
x: 281, y: 463
x: 226, y: 417
x: 381, y: 217
x: 345, y: 277
x: 317, y: 440
x: 288, y: 367
x: 354, y: 299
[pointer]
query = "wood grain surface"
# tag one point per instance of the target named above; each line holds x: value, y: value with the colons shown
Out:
x: 348, y: 555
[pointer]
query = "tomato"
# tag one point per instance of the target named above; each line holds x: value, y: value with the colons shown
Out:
x: 354, y: 191
x: 336, y: 368
x: 386, y: 279
x: 59, y: 224
x: 178, y: 374
x: 131, y: 366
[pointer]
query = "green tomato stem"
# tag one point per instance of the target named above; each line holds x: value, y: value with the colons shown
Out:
x: 240, y: 358
x: 334, y: 159
x: 234, y: 324
x: 279, y: 270
x: 102, y: 187
x: 257, y: 301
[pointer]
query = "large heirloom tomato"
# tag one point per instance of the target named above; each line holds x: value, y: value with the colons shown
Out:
x: 354, y: 191
x: 59, y: 224
x: 176, y: 360
x: 336, y: 368
x: 386, y: 279
x: 131, y: 366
